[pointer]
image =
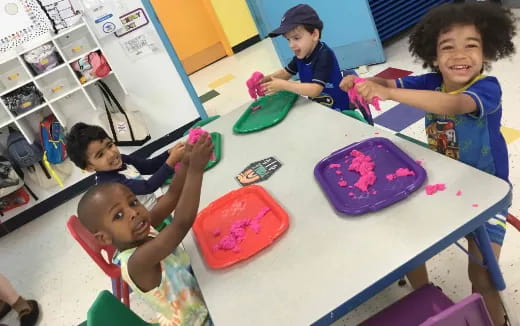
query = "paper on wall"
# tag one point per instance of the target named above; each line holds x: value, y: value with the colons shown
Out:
x: 103, y: 16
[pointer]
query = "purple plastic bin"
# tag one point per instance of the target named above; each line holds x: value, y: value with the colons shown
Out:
x: 470, y: 311
x: 387, y: 157
x: 413, y: 309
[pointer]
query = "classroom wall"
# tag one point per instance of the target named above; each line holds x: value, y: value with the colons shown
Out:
x: 236, y: 20
x: 152, y: 80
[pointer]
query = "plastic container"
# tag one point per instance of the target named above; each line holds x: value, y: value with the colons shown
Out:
x: 413, y: 309
x: 265, y: 112
x: 214, y: 222
x: 428, y: 306
x: 388, y: 158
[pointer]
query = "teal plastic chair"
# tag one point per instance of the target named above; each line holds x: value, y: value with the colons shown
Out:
x: 107, y: 310
x: 354, y: 114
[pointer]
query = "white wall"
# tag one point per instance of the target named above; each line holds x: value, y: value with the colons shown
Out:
x: 153, y: 79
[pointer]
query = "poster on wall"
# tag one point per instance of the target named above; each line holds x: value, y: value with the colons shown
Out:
x: 62, y: 13
x: 103, y: 15
x: 22, y: 21
x: 139, y: 44
x: 132, y: 21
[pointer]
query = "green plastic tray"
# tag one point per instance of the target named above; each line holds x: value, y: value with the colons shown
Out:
x: 201, y: 123
x: 216, y: 138
x: 273, y: 109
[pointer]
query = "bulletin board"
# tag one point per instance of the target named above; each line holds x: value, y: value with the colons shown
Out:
x: 22, y: 21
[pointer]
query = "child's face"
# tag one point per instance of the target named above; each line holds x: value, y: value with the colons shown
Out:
x: 125, y: 222
x: 301, y: 41
x: 103, y: 155
x: 460, y: 56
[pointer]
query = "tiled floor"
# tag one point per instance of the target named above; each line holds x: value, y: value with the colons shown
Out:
x: 43, y: 261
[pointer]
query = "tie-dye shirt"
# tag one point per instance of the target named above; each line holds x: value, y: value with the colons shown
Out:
x: 177, y: 300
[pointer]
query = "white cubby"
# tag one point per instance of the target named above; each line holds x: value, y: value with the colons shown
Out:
x: 12, y: 75
x: 64, y: 96
x: 76, y: 43
x: 58, y: 83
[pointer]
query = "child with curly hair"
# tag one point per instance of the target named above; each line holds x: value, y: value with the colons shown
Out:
x: 458, y: 42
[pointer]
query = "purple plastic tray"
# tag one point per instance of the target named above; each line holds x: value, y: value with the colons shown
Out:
x: 388, y: 158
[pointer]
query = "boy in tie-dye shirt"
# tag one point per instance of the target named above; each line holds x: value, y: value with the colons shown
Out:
x: 152, y: 263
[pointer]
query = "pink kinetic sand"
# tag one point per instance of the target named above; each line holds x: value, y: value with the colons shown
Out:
x: 193, y: 136
x: 459, y: 193
x: 431, y: 189
x: 364, y: 165
x: 475, y: 205
x: 358, y: 101
x: 334, y: 166
x: 237, y: 232
x: 339, y: 172
x: 342, y: 183
x: 253, y: 85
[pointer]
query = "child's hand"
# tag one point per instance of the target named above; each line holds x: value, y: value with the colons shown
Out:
x: 267, y: 78
x: 347, y: 82
x: 176, y: 154
x: 369, y: 89
x: 273, y: 86
x: 177, y: 151
x: 201, y: 152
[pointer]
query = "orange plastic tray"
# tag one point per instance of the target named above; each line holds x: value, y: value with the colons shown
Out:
x: 245, y: 202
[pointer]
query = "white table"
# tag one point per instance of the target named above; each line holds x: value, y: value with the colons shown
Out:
x: 326, y: 263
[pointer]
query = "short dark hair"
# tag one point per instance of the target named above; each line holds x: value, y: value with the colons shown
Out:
x: 495, y: 24
x: 78, y: 139
x: 311, y: 28
x: 87, y: 212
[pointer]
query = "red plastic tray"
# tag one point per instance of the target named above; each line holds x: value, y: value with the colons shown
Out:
x: 245, y: 202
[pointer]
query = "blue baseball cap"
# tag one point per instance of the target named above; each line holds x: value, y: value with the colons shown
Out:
x: 297, y: 15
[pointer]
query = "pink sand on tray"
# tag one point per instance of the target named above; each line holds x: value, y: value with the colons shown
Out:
x: 432, y: 189
x: 237, y: 232
x: 364, y: 165
x: 401, y: 172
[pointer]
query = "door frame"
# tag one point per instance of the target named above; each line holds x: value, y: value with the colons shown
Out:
x: 174, y: 57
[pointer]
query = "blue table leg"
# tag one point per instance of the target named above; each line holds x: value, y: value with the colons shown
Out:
x: 489, y: 258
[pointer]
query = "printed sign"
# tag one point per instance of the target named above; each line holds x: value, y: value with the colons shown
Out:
x: 258, y: 171
x: 131, y: 21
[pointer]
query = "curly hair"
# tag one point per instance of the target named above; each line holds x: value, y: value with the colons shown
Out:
x: 78, y: 139
x: 495, y: 24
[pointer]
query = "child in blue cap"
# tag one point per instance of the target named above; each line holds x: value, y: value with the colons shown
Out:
x: 313, y: 61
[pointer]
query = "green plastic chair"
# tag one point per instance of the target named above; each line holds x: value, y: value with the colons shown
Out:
x: 354, y: 114
x: 413, y: 140
x: 107, y: 310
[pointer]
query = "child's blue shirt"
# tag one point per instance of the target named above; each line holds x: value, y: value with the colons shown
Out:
x: 321, y: 67
x: 473, y: 138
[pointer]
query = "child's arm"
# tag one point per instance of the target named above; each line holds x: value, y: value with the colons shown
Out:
x: 143, y: 187
x: 149, y: 166
x: 146, y: 258
x: 348, y: 82
x: 169, y: 200
x: 303, y: 89
x: 430, y: 101
x: 280, y: 74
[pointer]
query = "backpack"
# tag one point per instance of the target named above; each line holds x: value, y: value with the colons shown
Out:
x: 52, y: 139
x: 20, y: 151
x: 10, y: 181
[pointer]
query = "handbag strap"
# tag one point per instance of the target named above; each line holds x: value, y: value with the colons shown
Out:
x: 112, y: 99
x: 109, y: 115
